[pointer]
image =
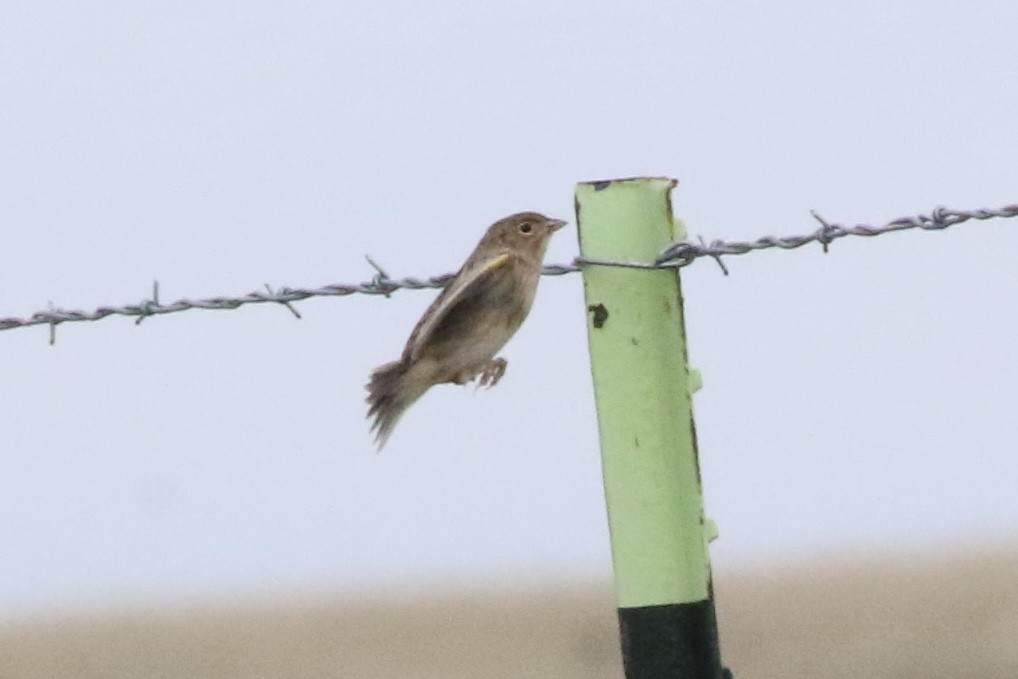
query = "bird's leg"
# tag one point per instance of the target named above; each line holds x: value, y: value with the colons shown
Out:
x: 468, y: 374
x: 492, y: 372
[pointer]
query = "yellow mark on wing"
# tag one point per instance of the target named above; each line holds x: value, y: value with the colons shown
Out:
x: 493, y: 264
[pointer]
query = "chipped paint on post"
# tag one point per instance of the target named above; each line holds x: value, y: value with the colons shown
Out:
x: 599, y: 314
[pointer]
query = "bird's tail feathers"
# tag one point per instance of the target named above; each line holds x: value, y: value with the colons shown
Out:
x: 389, y: 395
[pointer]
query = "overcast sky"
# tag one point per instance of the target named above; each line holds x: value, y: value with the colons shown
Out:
x: 855, y: 401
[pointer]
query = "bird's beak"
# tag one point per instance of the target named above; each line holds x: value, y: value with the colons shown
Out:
x: 556, y: 224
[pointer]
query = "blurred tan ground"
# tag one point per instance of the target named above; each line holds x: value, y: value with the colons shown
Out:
x: 915, y: 617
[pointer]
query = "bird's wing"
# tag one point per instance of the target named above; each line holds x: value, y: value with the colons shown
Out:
x: 469, y: 283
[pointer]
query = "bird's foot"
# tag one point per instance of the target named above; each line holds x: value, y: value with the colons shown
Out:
x: 492, y: 372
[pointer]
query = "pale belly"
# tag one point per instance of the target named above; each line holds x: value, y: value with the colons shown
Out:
x: 481, y: 345
x: 461, y: 357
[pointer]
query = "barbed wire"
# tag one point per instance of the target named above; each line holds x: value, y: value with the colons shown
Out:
x: 675, y: 256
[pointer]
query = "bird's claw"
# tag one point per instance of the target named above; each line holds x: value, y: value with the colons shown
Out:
x: 491, y: 373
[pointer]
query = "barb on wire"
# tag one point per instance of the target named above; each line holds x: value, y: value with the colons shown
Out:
x: 289, y: 306
x: 147, y: 305
x: 675, y: 256
x: 52, y: 326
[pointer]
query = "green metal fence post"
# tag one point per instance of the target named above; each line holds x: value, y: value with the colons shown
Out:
x: 643, y: 387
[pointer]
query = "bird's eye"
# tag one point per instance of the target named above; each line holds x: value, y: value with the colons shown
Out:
x: 526, y: 227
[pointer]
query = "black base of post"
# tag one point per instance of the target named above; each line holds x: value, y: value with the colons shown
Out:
x: 673, y: 641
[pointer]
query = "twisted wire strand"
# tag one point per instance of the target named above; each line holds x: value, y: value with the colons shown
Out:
x: 674, y: 256
x: 685, y: 252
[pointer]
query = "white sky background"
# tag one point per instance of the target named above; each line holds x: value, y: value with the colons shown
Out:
x: 859, y: 400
